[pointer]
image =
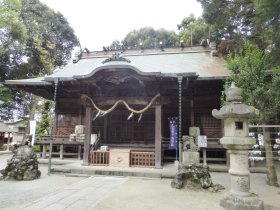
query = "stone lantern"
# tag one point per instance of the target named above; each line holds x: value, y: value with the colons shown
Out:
x: 237, y: 141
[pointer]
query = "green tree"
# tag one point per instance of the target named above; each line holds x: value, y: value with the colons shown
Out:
x: 46, y: 43
x: 150, y: 38
x: 194, y: 31
x: 45, y: 123
x: 233, y: 22
x: 12, y: 35
x: 5, y: 103
x: 268, y: 18
x: 13, y: 31
x: 260, y: 89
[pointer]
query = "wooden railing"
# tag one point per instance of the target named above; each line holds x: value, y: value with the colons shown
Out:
x: 142, y: 159
x: 99, y: 158
x: 137, y: 158
x: 61, y: 146
x: 214, y: 151
x: 43, y: 138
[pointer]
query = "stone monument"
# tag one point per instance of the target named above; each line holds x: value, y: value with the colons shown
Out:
x: 191, y: 173
x: 190, y: 150
x: 237, y: 141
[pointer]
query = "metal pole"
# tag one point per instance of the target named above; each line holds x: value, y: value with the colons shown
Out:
x: 180, y: 78
x: 53, y: 127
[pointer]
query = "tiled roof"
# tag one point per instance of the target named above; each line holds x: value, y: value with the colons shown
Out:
x: 168, y: 63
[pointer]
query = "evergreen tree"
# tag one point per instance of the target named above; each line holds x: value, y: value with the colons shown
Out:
x: 261, y: 90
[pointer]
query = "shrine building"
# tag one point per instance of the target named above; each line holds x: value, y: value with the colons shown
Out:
x: 124, y: 100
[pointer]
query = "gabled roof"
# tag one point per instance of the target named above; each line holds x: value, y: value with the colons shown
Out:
x: 4, y: 128
x: 167, y: 63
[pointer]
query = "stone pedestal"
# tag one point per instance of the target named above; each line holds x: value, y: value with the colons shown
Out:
x: 234, y: 202
x: 240, y: 197
x: 119, y: 157
x: 190, y: 157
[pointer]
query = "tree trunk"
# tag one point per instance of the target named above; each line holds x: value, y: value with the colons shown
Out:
x: 271, y: 172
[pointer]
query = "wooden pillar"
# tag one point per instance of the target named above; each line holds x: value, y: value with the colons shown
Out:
x: 80, y: 117
x: 44, y: 151
x: 158, y: 136
x: 79, y: 151
x: 1, y: 141
x: 192, y: 111
x: 105, y: 135
x: 88, y: 123
x: 61, y: 152
x: 204, y: 156
x: 8, y: 142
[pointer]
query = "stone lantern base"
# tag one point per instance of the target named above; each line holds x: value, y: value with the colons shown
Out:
x: 235, y: 202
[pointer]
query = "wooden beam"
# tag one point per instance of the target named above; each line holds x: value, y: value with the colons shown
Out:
x: 158, y: 137
x: 264, y: 126
x: 87, y: 136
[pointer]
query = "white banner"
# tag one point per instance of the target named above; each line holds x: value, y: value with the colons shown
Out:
x: 33, y: 131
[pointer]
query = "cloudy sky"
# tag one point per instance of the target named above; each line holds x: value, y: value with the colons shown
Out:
x: 98, y: 23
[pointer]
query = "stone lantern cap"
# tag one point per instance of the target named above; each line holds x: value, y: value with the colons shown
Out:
x: 234, y: 107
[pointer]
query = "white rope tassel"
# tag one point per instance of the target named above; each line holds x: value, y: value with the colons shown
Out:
x: 140, y: 117
x: 98, y: 113
x: 130, y: 116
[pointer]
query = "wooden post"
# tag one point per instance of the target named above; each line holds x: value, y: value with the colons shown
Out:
x: 44, y: 151
x: 79, y: 151
x: 204, y: 156
x: 8, y: 143
x: 192, y: 111
x: 158, y: 136
x: 61, y: 152
x: 87, y: 136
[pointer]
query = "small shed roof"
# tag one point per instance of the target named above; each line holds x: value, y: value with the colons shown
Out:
x: 4, y: 128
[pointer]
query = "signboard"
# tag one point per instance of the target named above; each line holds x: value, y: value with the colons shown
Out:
x: 202, y: 141
x: 173, y: 126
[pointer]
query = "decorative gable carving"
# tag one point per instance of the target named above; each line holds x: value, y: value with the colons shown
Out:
x: 116, y: 57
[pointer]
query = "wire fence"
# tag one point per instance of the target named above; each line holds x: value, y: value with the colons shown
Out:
x: 259, y: 151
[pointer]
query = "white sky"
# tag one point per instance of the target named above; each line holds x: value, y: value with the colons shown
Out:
x: 98, y: 23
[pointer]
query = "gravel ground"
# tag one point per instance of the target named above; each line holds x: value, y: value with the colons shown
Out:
x: 135, y: 193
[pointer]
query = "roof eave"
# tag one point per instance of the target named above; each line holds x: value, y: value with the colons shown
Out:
x: 212, y: 78
x: 18, y: 82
